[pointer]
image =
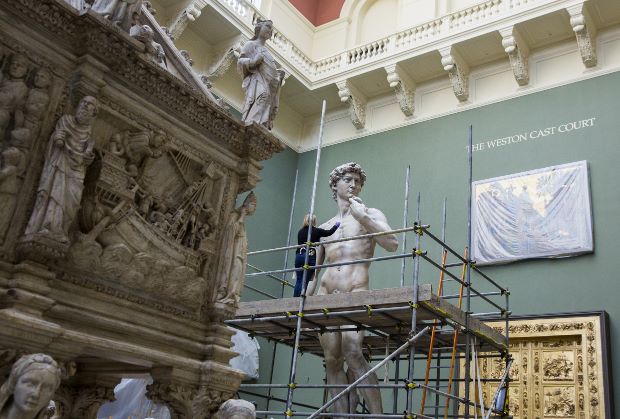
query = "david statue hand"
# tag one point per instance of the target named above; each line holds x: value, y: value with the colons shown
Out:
x: 358, y: 209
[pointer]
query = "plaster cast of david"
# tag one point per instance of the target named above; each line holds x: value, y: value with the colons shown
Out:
x: 262, y: 80
x: 119, y: 12
x: 236, y: 409
x: 27, y: 392
x: 346, y: 182
x: 59, y: 193
x: 234, y: 247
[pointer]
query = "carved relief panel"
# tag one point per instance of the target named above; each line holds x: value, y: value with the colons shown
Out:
x: 558, y: 370
x: 30, y: 90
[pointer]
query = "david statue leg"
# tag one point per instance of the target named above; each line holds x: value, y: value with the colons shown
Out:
x: 357, y: 366
x: 334, y: 368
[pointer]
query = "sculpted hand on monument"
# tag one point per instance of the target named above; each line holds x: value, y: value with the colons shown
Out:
x: 60, y: 138
x: 258, y: 61
x: 358, y: 209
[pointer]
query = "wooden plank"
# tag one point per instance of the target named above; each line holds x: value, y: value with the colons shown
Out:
x: 387, y: 297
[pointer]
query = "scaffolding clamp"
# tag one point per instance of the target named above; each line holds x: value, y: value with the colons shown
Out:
x: 368, y: 309
x: 417, y: 252
x: 292, y: 386
x: 288, y: 314
x: 411, y: 385
x: 325, y: 311
x: 306, y: 266
x: 414, y: 305
x: 300, y: 314
x: 419, y: 231
x: 289, y: 413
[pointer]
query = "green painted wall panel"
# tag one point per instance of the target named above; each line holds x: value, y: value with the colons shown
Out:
x: 436, y: 151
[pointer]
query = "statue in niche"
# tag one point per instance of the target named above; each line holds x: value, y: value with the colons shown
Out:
x: 13, y: 166
x: 13, y: 93
x: 262, y: 80
x: 27, y: 392
x: 119, y: 12
x: 236, y: 409
x: 233, y: 248
x: 346, y: 182
x: 145, y: 34
x: 69, y: 153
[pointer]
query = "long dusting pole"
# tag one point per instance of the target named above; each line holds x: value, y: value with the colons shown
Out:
x: 405, y: 213
x: 468, y: 305
x: 302, y: 301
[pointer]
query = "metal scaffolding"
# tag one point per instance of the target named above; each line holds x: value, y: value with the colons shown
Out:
x: 423, y: 329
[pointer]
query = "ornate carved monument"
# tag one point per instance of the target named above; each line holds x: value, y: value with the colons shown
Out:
x: 118, y: 179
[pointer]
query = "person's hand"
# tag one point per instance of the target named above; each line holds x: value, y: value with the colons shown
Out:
x: 258, y: 60
x: 358, y: 209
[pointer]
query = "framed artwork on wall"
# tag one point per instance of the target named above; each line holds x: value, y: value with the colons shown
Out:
x: 561, y: 366
x: 535, y: 214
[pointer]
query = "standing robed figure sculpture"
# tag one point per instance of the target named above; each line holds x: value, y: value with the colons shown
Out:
x: 355, y: 219
x: 262, y: 79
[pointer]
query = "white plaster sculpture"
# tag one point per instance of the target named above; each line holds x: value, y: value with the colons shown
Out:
x: 13, y: 93
x: 346, y: 182
x: 234, y: 245
x: 120, y: 12
x: 27, y: 392
x: 62, y: 180
x: 236, y: 409
x: 262, y: 80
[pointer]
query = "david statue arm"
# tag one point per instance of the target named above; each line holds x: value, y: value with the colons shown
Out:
x: 374, y: 221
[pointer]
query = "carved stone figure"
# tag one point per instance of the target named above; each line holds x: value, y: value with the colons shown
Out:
x: 62, y: 180
x: 13, y: 92
x: 234, y: 247
x: 145, y: 34
x: 27, y: 392
x: 120, y: 12
x: 346, y: 182
x: 37, y: 101
x: 13, y: 165
x: 261, y: 79
x: 236, y: 409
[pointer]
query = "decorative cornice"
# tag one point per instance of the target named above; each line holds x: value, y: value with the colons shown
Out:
x: 518, y: 53
x: 356, y: 101
x: 403, y: 86
x: 585, y: 31
x: 183, y: 19
x: 458, y: 70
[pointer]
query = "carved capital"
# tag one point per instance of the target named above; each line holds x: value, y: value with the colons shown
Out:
x: 403, y: 86
x: 82, y: 401
x: 585, y: 31
x: 185, y: 17
x: 186, y: 401
x: 518, y: 53
x: 458, y: 70
x: 356, y: 101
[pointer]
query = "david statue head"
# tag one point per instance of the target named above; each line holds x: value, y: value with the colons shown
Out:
x: 28, y: 390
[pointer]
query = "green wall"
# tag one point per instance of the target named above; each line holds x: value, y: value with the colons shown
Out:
x: 436, y: 151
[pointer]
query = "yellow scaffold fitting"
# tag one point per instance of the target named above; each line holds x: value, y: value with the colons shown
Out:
x: 292, y: 386
x: 417, y: 252
x: 410, y: 416
x: 419, y: 231
x: 325, y: 311
x: 289, y: 413
x: 472, y: 263
x: 300, y: 314
x: 368, y: 309
x: 306, y: 266
x: 288, y: 314
x: 309, y: 244
x: 413, y: 305
x: 411, y: 386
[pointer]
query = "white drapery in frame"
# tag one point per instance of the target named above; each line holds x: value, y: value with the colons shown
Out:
x: 540, y: 213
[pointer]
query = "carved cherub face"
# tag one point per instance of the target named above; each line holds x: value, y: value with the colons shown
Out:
x: 43, y: 79
x: 34, y: 389
x: 18, y: 67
